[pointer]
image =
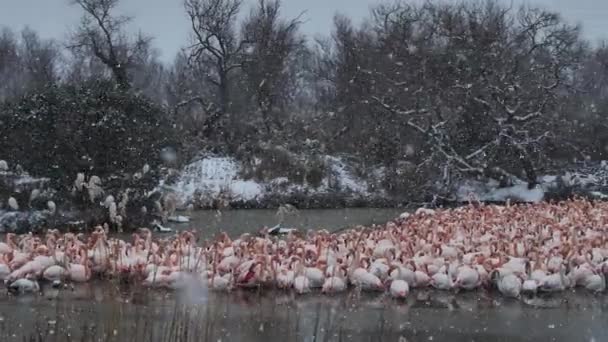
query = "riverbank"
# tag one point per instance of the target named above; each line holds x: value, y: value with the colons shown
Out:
x: 225, y: 183
x: 213, y: 182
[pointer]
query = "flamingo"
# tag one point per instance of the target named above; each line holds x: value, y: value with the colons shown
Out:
x: 467, y: 278
x: 529, y: 285
x: 80, y: 272
x: 315, y: 277
x: 335, y: 283
x: 363, y: 279
x: 222, y: 283
x: 399, y: 289
x: 285, y: 276
x: 595, y: 282
x: 400, y: 272
x: 8, y: 246
x: 54, y: 273
x: 5, y: 271
x: 442, y: 281
x: 554, y: 282
x: 509, y: 285
x: 24, y: 285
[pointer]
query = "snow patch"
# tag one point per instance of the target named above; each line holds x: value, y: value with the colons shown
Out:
x: 491, y: 192
x: 213, y: 177
x: 27, y: 179
x: 345, y: 179
x: 210, y: 177
x: 519, y: 193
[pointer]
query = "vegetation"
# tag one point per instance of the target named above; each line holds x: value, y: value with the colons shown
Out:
x: 431, y: 93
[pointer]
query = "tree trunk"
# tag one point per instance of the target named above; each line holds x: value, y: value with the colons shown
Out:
x: 120, y: 74
x: 530, y: 171
x: 224, y: 92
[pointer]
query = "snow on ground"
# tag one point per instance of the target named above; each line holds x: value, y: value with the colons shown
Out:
x: 589, y: 178
x: 213, y: 177
x: 345, y: 179
x: 210, y: 177
x: 490, y: 192
x: 519, y: 192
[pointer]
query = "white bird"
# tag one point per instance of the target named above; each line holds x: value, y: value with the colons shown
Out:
x: 222, y: 283
x: 110, y: 199
x: 3, y: 166
x: 112, y: 212
x: 425, y: 211
x: 24, y: 285
x: 509, y: 285
x: 442, y: 281
x: 529, y: 286
x: 12, y: 203
x: 300, y: 284
x: 285, y: 279
x: 399, y: 289
x: 94, y: 188
x: 554, y: 282
x: 315, y: 277
x: 51, y: 206
x: 366, y: 281
x: 145, y: 169
x: 403, y: 273
x: 595, y: 282
x: 467, y: 278
x: 404, y: 215
x: 159, y: 228
x: 79, y: 181
x: 278, y: 230
x: 34, y: 194
x: 54, y: 272
x: 334, y: 284
x: 4, y: 271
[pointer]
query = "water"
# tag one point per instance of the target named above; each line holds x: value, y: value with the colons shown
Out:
x: 95, y: 312
x: 236, y: 222
x: 111, y: 312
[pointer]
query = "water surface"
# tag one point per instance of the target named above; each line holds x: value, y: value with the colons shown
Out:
x: 95, y: 312
x: 239, y: 221
x: 112, y: 312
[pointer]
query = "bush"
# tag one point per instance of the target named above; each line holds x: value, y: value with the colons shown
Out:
x: 316, y: 170
x: 94, y: 128
x: 262, y: 162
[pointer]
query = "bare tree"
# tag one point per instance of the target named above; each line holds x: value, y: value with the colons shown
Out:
x: 39, y: 59
x: 26, y: 64
x: 482, y: 92
x: 9, y: 64
x: 215, y: 47
x: 103, y: 34
x: 149, y: 76
x: 273, y: 45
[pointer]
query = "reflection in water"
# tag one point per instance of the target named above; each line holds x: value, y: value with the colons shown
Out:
x: 236, y: 222
x: 106, y: 312
x: 94, y: 312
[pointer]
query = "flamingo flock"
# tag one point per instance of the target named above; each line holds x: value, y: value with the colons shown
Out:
x: 516, y: 249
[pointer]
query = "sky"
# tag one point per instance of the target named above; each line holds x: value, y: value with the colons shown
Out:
x: 166, y: 22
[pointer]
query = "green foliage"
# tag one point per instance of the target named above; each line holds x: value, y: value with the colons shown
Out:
x: 93, y: 128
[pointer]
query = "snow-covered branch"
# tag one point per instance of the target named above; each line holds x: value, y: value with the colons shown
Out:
x: 397, y: 110
x: 527, y: 117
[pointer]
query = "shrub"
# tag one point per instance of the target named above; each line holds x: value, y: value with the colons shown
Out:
x: 94, y: 128
x: 316, y: 170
